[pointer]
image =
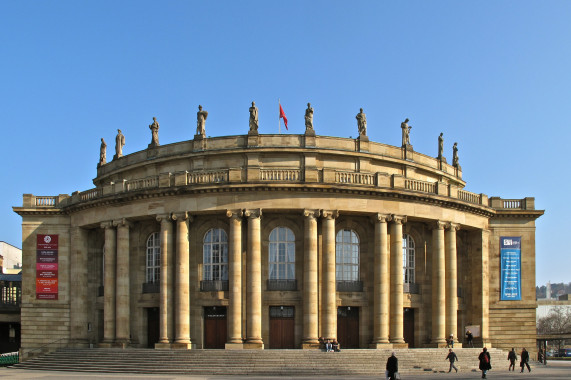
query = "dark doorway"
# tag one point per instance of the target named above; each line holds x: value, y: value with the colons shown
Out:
x: 153, y: 326
x: 408, y: 327
x: 215, y: 328
x: 348, y: 326
x: 9, y: 337
x: 282, y: 326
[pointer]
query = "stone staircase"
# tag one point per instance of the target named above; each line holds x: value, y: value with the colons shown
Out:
x: 360, y: 362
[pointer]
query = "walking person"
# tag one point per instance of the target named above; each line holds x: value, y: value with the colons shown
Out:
x: 524, y: 360
x: 392, y: 367
x: 452, y: 357
x: 485, y: 363
x: 512, y: 357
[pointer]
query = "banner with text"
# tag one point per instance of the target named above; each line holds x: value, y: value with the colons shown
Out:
x: 47, y: 267
x: 510, y: 257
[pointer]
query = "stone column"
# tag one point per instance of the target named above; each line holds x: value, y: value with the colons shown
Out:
x: 451, y: 282
x: 182, y: 283
x: 254, y: 281
x: 481, y: 285
x: 109, y: 284
x: 329, y: 295
x: 439, y: 334
x: 397, y: 292
x: 122, y: 300
x: 166, y: 295
x: 310, y: 299
x: 78, y: 288
x: 235, y: 280
x: 381, y: 284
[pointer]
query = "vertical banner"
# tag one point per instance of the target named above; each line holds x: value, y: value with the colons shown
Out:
x: 510, y: 257
x: 47, y: 267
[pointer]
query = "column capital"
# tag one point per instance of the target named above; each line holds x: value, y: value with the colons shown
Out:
x: 398, y: 219
x: 235, y: 214
x: 329, y: 214
x: 122, y: 223
x: 311, y: 213
x: 380, y: 218
x: 452, y: 226
x: 108, y: 224
x: 437, y: 225
x: 253, y: 213
x: 182, y: 216
x: 163, y: 217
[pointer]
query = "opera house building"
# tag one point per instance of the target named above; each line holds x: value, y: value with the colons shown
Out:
x: 266, y: 241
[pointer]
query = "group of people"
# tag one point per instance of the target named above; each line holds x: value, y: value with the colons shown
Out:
x: 330, y: 345
x: 524, y: 360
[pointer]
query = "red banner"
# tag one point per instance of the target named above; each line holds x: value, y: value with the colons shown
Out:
x: 47, y: 267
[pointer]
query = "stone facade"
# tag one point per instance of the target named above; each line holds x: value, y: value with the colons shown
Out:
x: 139, y: 260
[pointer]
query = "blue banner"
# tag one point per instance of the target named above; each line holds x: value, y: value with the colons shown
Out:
x: 510, y: 257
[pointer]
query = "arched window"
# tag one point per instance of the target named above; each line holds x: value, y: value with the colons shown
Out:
x: 408, y: 258
x: 347, y: 256
x: 215, y: 255
x: 282, y: 254
x: 153, y: 271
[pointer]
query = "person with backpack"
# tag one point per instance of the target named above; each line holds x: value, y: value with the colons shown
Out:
x: 512, y: 357
x: 524, y: 360
x: 485, y: 362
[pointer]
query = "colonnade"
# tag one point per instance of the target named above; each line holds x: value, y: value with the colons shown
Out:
x: 175, y: 287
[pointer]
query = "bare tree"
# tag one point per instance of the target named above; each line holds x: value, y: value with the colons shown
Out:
x: 558, y: 321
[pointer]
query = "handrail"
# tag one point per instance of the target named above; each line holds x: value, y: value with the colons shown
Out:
x: 41, y: 348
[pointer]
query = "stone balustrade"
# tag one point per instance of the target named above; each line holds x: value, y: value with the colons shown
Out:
x: 286, y: 175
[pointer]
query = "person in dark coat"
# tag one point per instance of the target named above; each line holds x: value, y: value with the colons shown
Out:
x: 452, y: 357
x: 469, y: 338
x: 485, y: 362
x: 392, y: 366
x: 524, y: 360
x: 512, y: 357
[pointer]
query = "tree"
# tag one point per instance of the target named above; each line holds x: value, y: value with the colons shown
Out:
x: 558, y: 321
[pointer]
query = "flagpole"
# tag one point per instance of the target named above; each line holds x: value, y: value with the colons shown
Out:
x: 279, y: 121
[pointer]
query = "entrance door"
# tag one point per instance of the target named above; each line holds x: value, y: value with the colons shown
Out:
x: 408, y: 327
x: 282, y: 326
x: 215, y: 327
x: 153, y: 326
x: 348, y: 326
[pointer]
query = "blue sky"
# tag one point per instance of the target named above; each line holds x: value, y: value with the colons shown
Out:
x: 493, y: 76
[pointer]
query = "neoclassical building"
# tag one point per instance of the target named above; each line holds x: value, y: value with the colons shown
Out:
x: 273, y: 241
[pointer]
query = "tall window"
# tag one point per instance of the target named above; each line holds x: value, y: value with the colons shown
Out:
x: 347, y: 256
x: 282, y: 254
x: 215, y: 255
x: 408, y: 258
x: 154, y: 258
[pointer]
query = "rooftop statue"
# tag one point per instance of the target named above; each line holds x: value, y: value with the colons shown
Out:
x: 405, y: 132
x: 455, y: 155
x: 119, y: 144
x: 362, y: 122
x: 155, y: 133
x: 440, y: 146
x: 253, y: 118
x: 103, y: 153
x: 201, y: 122
x: 309, y: 118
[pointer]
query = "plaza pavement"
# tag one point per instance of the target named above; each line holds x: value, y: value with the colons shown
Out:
x: 553, y: 370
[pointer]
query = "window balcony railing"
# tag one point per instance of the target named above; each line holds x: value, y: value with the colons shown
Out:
x: 349, y: 286
x: 411, y: 287
x: 213, y: 285
x: 151, y: 287
x: 283, y: 285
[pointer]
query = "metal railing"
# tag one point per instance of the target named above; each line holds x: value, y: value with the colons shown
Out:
x: 151, y: 287
x: 349, y: 286
x: 283, y: 285
x: 213, y: 285
x: 411, y: 288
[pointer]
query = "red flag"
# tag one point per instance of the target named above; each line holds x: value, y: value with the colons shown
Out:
x: 283, y: 116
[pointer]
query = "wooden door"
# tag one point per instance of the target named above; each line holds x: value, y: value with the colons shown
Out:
x: 153, y: 326
x: 408, y: 327
x: 215, y: 327
x: 282, y: 327
x: 348, y: 327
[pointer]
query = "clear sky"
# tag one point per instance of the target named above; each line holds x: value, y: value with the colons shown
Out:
x: 493, y: 76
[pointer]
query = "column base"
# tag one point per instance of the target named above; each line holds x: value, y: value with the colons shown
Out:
x: 380, y: 346
x: 122, y: 345
x: 234, y: 346
x: 162, y: 346
x: 310, y: 346
x: 253, y: 346
x: 436, y: 345
x: 400, y: 345
x: 105, y: 345
x: 181, y: 346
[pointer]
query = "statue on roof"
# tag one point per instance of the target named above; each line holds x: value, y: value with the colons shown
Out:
x: 308, y: 118
x: 455, y: 159
x: 253, y: 118
x: 119, y: 144
x: 154, y: 133
x: 362, y: 122
x: 440, y: 146
x: 201, y: 122
x: 102, y: 153
x: 405, y: 132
